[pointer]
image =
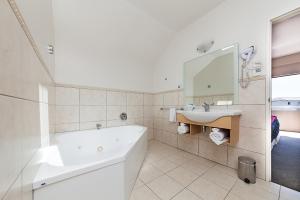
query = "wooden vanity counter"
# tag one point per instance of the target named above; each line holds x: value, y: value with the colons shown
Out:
x: 231, y: 123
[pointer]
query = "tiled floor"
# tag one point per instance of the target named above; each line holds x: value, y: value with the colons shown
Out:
x: 172, y: 174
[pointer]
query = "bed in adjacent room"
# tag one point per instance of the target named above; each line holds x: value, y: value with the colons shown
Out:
x: 275, y: 131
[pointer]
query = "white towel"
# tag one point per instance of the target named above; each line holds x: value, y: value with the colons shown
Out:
x: 217, y: 142
x: 183, y: 128
x: 172, y: 115
x: 215, y: 129
x: 219, y: 135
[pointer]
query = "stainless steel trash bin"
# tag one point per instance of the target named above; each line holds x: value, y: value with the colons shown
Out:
x: 247, y: 169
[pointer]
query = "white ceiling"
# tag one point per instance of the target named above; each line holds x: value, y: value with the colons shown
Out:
x: 176, y: 14
x: 124, y: 37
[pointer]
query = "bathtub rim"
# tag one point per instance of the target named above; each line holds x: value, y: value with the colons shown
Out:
x: 41, y: 181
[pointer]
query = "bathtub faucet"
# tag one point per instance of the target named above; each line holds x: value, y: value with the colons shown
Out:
x: 98, y: 126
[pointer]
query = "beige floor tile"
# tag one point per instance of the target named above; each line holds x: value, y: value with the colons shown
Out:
x: 165, y: 187
x: 215, y: 177
x: 196, y: 167
x: 154, y: 157
x: 143, y: 193
x: 221, y: 179
x: 188, y: 155
x: 205, y: 161
x: 207, y: 190
x: 178, y: 159
x: 183, y: 176
x: 164, y: 165
x: 232, y: 196
x: 186, y: 195
x: 138, y: 183
x: 227, y: 170
x: 149, y: 173
x: 288, y: 194
x: 260, y: 191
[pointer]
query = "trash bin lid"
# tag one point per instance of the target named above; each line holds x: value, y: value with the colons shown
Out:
x: 246, y: 160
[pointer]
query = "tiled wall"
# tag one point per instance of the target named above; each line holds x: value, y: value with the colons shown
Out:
x: 252, y: 128
x: 21, y: 74
x: 79, y: 108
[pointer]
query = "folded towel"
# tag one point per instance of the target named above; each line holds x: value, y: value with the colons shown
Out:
x: 183, y: 128
x: 172, y: 115
x: 215, y: 129
x: 220, y: 135
x: 217, y: 142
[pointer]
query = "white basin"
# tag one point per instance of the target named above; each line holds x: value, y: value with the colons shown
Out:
x: 205, y: 117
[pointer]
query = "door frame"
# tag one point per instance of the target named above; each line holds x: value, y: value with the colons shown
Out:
x: 269, y: 85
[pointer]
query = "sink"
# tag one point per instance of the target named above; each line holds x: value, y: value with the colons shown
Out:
x: 205, y: 117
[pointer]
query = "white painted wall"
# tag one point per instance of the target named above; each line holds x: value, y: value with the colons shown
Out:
x: 106, y: 43
x: 38, y: 16
x: 233, y: 21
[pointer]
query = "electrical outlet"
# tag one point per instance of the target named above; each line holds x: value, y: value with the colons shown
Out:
x: 257, y: 69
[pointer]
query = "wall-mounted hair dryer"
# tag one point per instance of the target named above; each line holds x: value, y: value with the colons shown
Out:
x: 247, y: 54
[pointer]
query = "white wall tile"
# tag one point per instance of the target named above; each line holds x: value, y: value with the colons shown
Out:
x: 171, y: 99
x: 60, y: 128
x: 255, y: 93
x: 148, y: 112
x: 113, y: 112
x: 150, y: 133
x: 213, y: 152
x: 114, y: 123
x: 92, y: 113
x: 158, y: 100
x: 135, y: 112
x: 252, y: 139
x: 92, y: 97
x: 170, y: 126
x: 253, y: 116
x: 135, y: 99
x: 67, y: 114
x: 181, y: 98
x: 158, y: 134
x: 188, y: 143
x: 116, y: 98
x: 148, y: 99
x: 21, y: 75
x: 135, y: 121
x: 67, y: 96
x: 149, y: 123
x: 169, y: 138
x: 11, y: 141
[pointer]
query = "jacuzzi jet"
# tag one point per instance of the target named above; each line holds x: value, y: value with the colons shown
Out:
x: 100, y: 148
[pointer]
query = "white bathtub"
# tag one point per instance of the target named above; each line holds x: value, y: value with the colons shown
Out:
x: 91, y: 165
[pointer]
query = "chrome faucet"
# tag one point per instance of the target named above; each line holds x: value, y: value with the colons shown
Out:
x: 206, y: 107
x: 98, y: 126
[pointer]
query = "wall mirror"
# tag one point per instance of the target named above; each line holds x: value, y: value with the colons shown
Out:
x: 213, y: 78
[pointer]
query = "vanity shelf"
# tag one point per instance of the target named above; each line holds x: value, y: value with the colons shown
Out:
x: 230, y: 123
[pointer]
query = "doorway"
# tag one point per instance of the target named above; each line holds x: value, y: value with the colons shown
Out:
x: 285, y: 102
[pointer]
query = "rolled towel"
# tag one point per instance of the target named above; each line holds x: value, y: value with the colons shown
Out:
x: 183, y: 128
x: 220, y: 135
x: 215, y: 129
x: 172, y: 115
